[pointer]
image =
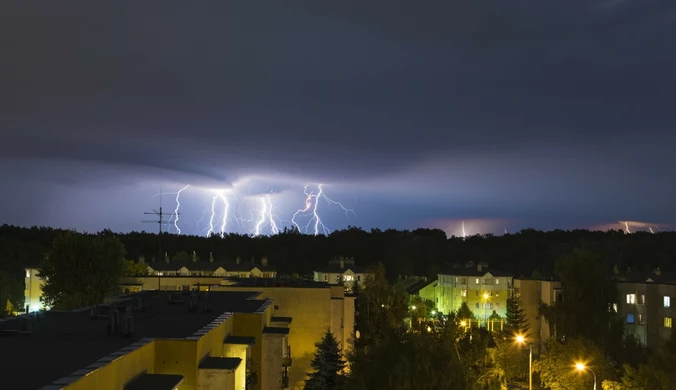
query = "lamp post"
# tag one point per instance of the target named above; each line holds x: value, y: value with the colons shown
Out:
x: 485, y: 307
x: 522, y: 340
x: 582, y: 367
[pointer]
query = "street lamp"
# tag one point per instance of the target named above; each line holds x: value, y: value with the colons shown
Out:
x: 485, y: 307
x: 581, y: 367
x: 522, y: 340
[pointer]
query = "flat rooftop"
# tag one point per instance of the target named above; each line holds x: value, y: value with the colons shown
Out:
x: 61, y: 343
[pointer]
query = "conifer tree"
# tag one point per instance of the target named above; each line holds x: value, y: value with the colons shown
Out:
x: 516, y: 321
x: 328, y: 364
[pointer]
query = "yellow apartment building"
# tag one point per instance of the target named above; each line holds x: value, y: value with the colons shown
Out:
x: 484, y: 290
x: 533, y: 293
x: 151, y: 340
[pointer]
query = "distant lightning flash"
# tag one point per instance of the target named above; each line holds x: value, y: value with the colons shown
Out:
x: 311, y: 210
x: 626, y: 227
x: 651, y: 229
x: 178, y: 206
x: 267, y: 216
x: 464, y: 233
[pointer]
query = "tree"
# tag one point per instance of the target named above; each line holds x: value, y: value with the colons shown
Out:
x: 465, y: 313
x: 557, y: 365
x: 10, y: 294
x: 81, y: 270
x: 328, y: 364
x: 516, y: 321
x: 132, y: 268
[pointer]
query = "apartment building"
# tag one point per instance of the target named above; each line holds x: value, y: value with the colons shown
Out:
x: 151, y: 340
x: 533, y: 293
x: 645, y: 305
x: 484, y: 290
x: 314, y: 307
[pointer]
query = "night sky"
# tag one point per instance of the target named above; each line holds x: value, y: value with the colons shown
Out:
x: 501, y: 114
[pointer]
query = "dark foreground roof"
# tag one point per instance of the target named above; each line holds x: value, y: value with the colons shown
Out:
x: 62, y: 343
x: 243, y: 340
x: 272, y: 330
x: 155, y: 382
x: 219, y: 363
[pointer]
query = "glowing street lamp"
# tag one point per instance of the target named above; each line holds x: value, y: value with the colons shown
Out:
x: 485, y: 307
x: 521, y: 339
x: 582, y: 367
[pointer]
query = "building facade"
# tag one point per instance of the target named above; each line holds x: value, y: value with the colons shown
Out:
x: 484, y: 290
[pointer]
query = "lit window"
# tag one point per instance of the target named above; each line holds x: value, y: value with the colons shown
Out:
x: 667, y: 322
x: 463, y: 293
x: 477, y: 280
x: 349, y: 278
x: 631, y: 299
x: 642, y: 299
x: 667, y: 301
x: 497, y: 281
x: 641, y: 320
x: 615, y: 307
x: 630, y: 319
x: 28, y: 273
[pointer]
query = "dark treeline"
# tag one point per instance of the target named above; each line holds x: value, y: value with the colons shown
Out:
x: 418, y: 252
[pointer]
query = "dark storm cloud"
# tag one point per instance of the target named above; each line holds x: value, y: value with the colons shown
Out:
x: 491, y: 106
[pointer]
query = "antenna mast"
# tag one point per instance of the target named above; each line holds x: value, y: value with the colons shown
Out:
x: 160, y: 217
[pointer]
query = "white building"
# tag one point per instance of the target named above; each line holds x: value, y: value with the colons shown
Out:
x: 340, y: 270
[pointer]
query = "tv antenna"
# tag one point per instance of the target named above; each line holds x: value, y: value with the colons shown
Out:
x: 160, y: 221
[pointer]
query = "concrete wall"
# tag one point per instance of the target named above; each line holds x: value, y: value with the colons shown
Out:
x: 216, y: 379
x: 273, y: 349
x: 239, y: 351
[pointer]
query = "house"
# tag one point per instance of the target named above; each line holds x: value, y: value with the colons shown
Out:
x: 341, y: 270
x: 419, y: 286
x: 213, y: 268
x: 484, y: 290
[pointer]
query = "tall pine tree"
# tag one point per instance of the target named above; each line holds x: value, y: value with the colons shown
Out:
x: 516, y: 320
x: 328, y: 364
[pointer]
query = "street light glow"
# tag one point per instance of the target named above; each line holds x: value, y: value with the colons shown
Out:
x: 520, y: 339
x: 580, y: 366
x: 486, y: 295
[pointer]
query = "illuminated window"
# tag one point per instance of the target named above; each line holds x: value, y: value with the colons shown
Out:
x: 631, y: 299
x: 615, y: 307
x: 642, y: 299
x: 463, y: 293
x: 667, y: 322
x: 28, y: 273
x: 497, y: 280
x: 667, y: 301
x: 349, y: 278
x: 477, y: 280
x: 630, y: 319
x: 641, y: 320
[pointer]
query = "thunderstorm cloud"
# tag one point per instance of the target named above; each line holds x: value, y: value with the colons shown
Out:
x: 556, y: 114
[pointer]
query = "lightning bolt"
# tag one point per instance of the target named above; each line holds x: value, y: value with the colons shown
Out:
x: 178, y: 206
x: 312, y: 203
x: 266, y: 214
x: 219, y: 195
x: 626, y: 227
x: 464, y: 234
x: 651, y: 229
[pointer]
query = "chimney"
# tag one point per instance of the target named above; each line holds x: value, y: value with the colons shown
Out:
x: 264, y: 261
x: 194, y: 257
x: 211, y: 257
x: 238, y: 260
x: 141, y: 259
x: 657, y: 271
x: 479, y: 267
x: 342, y: 263
x: 166, y: 258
